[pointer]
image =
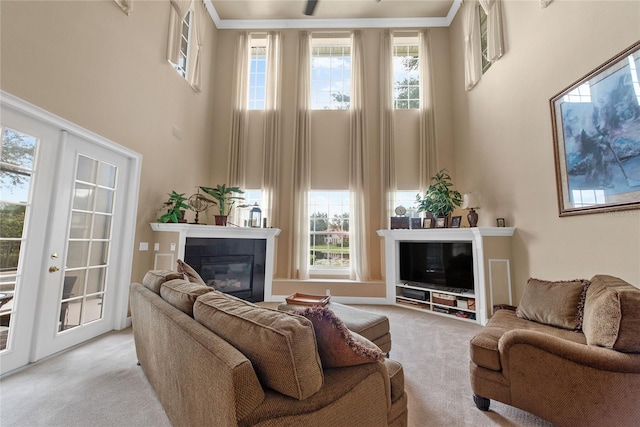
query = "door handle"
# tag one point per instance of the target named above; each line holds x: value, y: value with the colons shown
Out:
x: 53, y: 269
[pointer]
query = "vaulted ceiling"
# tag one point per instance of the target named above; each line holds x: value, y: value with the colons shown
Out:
x: 273, y: 14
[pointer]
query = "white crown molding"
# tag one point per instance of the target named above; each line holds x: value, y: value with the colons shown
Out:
x: 277, y: 24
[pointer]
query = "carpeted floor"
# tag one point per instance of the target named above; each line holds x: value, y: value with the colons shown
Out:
x: 99, y: 384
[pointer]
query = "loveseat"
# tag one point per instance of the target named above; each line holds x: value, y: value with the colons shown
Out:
x: 569, y: 353
x: 216, y: 360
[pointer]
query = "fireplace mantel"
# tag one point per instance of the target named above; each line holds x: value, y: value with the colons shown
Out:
x: 220, y: 232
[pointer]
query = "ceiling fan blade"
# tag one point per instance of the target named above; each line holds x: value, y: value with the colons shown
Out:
x: 311, y: 6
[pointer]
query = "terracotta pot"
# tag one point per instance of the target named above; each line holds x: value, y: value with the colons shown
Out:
x: 221, y: 219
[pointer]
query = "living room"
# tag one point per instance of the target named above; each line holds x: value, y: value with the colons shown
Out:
x: 106, y: 71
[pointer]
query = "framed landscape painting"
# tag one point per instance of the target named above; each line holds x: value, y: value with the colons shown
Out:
x: 596, y: 136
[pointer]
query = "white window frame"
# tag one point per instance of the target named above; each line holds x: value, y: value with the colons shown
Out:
x: 333, y: 208
x: 408, y: 43
x: 332, y: 45
x: 183, y: 67
x: 256, y: 94
x: 482, y: 16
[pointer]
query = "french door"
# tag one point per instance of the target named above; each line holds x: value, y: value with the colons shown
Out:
x: 68, y: 210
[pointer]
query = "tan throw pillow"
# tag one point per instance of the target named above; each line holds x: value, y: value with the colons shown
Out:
x: 281, y: 346
x: 558, y: 303
x: 190, y: 274
x: 612, y: 320
x: 182, y: 294
x: 338, y: 347
x: 155, y: 278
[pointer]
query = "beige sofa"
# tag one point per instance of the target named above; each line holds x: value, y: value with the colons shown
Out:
x: 570, y: 353
x: 213, y: 359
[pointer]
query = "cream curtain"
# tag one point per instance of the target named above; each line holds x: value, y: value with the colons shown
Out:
x: 358, y: 173
x: 239, y: 118
x: 495, y: 39
x: 472, y: 54
x: 272, y: 113
x: 198, y: 32
x: 428, y: 146
x: 387, y: 126
x: 301, y: 179
x: 179, y: 9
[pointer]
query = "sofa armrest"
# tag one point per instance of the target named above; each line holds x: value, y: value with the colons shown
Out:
x: 586, y: 355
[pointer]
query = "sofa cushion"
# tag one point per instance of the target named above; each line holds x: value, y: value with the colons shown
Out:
x: 558, y: 303
x: 281, y: 346
x: 338, y: 347
x: 155, y: 278
x: 189, y: 273
x: 612, y: 314
x: 182, y: 294
x: 396, y: 377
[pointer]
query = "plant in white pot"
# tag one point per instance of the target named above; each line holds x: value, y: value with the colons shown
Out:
x: 225, y: 198
x: 439, y: 199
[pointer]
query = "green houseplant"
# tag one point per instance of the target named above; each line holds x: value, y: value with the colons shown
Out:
x: 225, y: 198
x: 175, y: 206
x: 439, y: 199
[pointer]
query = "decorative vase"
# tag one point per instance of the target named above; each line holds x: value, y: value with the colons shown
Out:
x: 221, y: 220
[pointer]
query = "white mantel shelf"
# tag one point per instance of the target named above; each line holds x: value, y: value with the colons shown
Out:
x: 221, y: 232
x: 447, y: 233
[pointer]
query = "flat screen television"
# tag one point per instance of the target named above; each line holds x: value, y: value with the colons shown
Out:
x: 437, y: 264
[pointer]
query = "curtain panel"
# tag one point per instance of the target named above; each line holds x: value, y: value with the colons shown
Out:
x: 387, y: 127
x: 198, y: 31
x: 472, y: 53
x: 301, y: 179
x: 495, y: 38
x: 178, y: 10
x: 428, y: 144
x: 358, y: 171
x: 239, y: 118
x: 272, y: 116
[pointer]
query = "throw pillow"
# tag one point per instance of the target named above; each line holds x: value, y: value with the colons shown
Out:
x: 182, y: 294
x: 153, y: 279
x: 189, y: 273
x: 338, y: 347
x: 558, y: 303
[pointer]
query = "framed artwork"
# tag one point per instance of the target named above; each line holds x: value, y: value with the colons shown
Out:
x: 416, y: 223
x: 427, y: 223
x: 500, y: 222
x: 441, y: 222
x: 596, y: 138
x: 455, y: 221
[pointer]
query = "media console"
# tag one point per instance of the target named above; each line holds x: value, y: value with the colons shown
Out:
x: 491, y: 264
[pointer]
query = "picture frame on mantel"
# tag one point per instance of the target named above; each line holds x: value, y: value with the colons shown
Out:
x: 596, y: 138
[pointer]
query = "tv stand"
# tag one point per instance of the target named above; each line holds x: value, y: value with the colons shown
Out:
x: 491, y: 268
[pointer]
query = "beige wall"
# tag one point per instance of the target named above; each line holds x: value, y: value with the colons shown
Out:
x: 91, y: 64
x: 503, y: 139
x: 330, y: 134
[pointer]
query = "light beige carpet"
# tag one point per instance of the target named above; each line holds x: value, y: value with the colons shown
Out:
x: 99, y: 384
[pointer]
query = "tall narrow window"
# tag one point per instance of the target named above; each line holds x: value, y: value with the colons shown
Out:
x: 183, y: 58
x: 483, y: 40
x: 257, y: 74
x: 406, y: 73
x: 329, y: 231
x: 331, y: 74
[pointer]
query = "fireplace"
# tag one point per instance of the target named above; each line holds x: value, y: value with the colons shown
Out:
x: 233, y: 266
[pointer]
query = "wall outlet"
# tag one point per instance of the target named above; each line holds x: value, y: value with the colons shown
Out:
x: 144, y: 246
x: 156, y: 247
x: 327, y: 292
x: 173, y: 247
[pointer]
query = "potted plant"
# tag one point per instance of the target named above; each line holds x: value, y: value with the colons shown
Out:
x: 176, y: 207
x: 439, y: 199
x: 225, y: 197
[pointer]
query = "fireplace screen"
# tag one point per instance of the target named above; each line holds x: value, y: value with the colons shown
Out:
x: 228, y: 274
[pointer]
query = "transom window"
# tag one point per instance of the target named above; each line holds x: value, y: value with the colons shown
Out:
x: 331, y: 73
x: 483, y: 40
x: 406, y: 74
x: 257, y: 74
x: 329, y: 231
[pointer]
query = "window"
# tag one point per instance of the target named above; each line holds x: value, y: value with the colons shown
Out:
x: 251, y: 197
x: 331, y: 74
x: 185, y: 39
x: 483, y: 40
x: 406, y: 74
x: 329, y: 231
x: 408, y: 200
x: 257, y: 74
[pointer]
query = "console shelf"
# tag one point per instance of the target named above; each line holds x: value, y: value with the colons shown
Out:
x: 491, y: 251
